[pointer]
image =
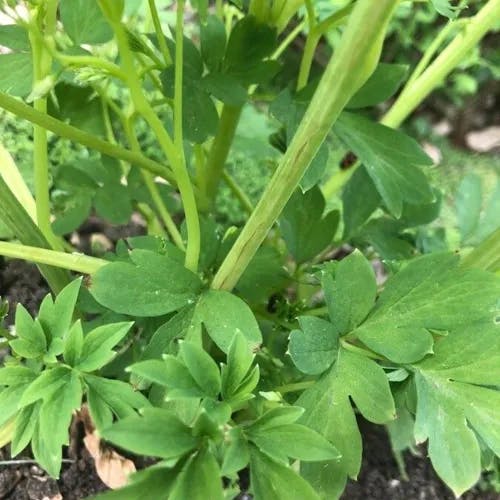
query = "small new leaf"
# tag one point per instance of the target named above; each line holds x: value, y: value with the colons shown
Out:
x: 97, y: 348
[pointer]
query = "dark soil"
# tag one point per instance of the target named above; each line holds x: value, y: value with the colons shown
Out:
x: 379, y: 478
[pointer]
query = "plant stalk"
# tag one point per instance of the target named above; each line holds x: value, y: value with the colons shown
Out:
x: 352, y: 64
x: 442, y: 66
x: 42, y: 66
x: 74, y: 134
x: 219, y: 150
x: 77, y: 262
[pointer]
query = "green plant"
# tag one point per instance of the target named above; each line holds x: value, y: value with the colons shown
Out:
x: 242, y: 348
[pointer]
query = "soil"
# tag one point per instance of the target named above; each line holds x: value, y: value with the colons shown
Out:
x: 379, y: 477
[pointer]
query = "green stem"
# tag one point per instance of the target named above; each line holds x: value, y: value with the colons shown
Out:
x: 162, y: 43
x: 74, y: 134
x: 15, y: 217
x: 219, y: 150
x: 316, y: 31
x: 238, y: 192
x: 486, y: 256
x: 432, y: 49
x: 442, y: 66
x: 178, y: 79
x: 42, y: 65
x: 288, y: 40
x: 153, y: 190
x: 90, y: 62
x: 73, y: 262
x: 174, y: 155
x: 310, y: 48
x: 352, y: 64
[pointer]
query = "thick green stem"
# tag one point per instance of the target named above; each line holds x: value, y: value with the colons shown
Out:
x: 486, y: 256
x: 352, y: 64
x: 441, y: 67
x: 15, y: 217
x: 72, y: 261
x: 219, y: 151
x: 74, y: 134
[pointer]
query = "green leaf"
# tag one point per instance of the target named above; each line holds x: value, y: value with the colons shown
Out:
x: 277, y: 417
x: 113, y: 203
x: 45, y: 452
x: 384, y: 83
x: 56, y: 411
x: 202, y: 368
x: 56, y: 316
x: 97, y: 348
x: 264, y: 275
x: 157, y: 481
x: 314, y: 347
x: 445, y: 9
x: 225, y: 88
x: 169, y: 332
x: 239, y: 361
x: 73, y: 344
x: 159, y: 283
x: 392, y: 160
x: 16, y: 375
x: 468, y: 204
x: 170, y: 373
x: 271, y: 480
x: 236, y: 453
x: 84, y: 22
x: 249, y: 43
x: 199, y: 480
x: 360, y: 199
x: 156, y: 433
x: 32, y: 342
x: 329, y: 412
x: 17, y: 73
x: 224, y: 315
x: 458, y: 401
x: 24, y: 427
x: 15, y: 37
x: 351, y: 295
x: 430, y: 294
x: 52, y: 431
x: 213, y: 42
x: 120, y: 397
x: 199, y: 114
x: 69, y: 107
x: 48, y: 382
x: 293, y: 441
x: 304, y: 228
x: 9, y: 402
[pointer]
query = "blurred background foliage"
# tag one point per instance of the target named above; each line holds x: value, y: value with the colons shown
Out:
x: 466, y: 170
